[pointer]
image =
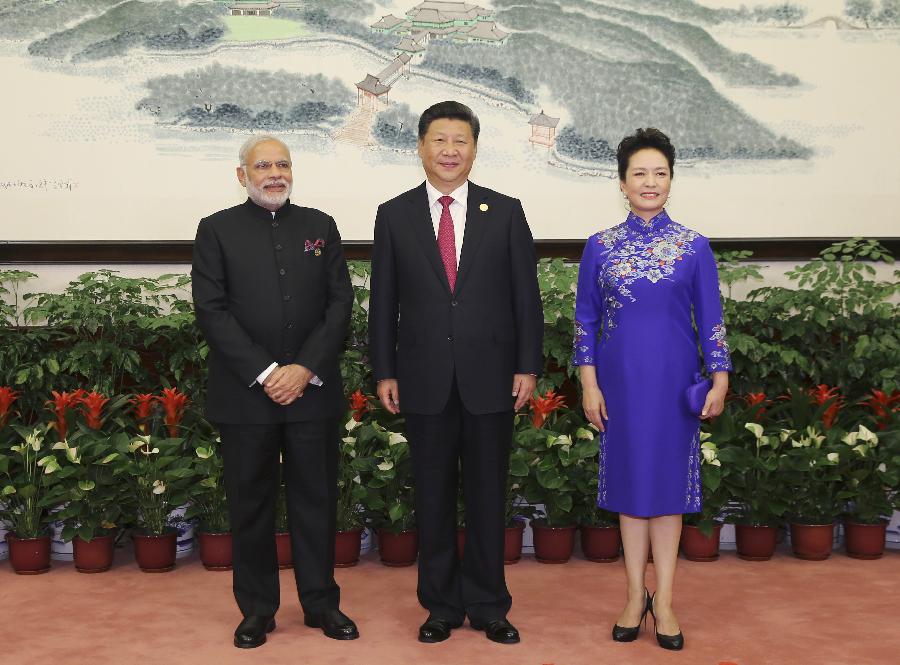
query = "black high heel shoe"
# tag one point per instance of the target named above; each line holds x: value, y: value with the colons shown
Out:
x: 670, y: 642
x: 620, y: 634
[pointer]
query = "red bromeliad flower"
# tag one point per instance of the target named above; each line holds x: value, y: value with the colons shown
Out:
x: 173, y: 403
x: 7, y: 397
x: 92, y: 407
x: 544, y: 406
x: 879, y: 401
x: 144, y: 404
x: 359, y: 404
x: 757, y: 399
x: 61, y: 403
x: 822, y: 394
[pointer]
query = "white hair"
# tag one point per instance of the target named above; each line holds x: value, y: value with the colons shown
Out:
x: 254, y: 141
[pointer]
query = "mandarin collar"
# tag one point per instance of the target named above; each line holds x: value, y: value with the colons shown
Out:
x: 638, y: 224
x: 263, y: 213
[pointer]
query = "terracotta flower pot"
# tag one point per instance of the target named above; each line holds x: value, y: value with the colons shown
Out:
x: 865, y: 541
x: 512, y: 544
x: 155, y: 554
x: 755, y: 542
x: 460, y: 541
x: 215, y: 550
x: 398, y: 549
x: 812, y: 541
x: 283, y: 547
x: 553, y: 544
x: 697, y: 547
x: 29, y: 556
x: 95, y: 556
x: 346, y: 548
x: 600, y: 543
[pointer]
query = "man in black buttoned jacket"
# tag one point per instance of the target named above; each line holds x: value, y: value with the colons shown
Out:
x: 272, y: 296
x: 455, y: 337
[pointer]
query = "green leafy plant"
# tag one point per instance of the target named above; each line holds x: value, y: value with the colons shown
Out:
x: 30, y: 485
x: 208, y: 501
x: 869, y: 468
x: 389, y: 496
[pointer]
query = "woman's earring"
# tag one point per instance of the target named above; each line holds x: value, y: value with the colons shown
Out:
x: 626, y: 203
x: 666, y: 204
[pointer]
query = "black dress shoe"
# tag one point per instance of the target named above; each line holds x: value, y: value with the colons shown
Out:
x: 620, y: 634
x: 334, y: 623
x: 251, y: 632
x: 670, y: 642
x: 497, y: 630
x: 436, y: 630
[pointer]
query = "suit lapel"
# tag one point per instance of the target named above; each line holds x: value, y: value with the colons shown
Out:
x: 423, y: 229
x: 478, y: 216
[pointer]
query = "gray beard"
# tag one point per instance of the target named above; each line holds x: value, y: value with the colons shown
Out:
x: 270, y: 201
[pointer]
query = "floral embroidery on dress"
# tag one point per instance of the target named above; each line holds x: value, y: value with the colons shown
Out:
x: 693, y: 493
x: 639, y: 255
x: 720, y: 357
x: 601, y: 479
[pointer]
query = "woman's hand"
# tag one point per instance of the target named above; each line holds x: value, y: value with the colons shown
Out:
x: 594, y: 406
x: 592, y: 397
x: 715, y: 398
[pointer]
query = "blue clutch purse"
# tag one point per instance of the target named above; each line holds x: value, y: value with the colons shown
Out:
x: 696, y: 393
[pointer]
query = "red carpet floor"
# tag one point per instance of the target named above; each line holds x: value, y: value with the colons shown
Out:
x: 785, y: 611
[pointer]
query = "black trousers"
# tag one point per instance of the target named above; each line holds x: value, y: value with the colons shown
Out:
x: 448, y: 588
x: 309, y: 453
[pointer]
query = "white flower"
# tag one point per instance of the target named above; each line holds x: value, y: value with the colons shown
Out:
x: 705, y: 436
x: 349, y: 439
x: 203, y: 453
x: 868, y: 435
x: 86, y: 485
x: 850, y: 438
x: 35, y: 439
x: 882, y: 467
x: 785, y: 434
x: 386, y: 466
x: 72, y: 455
x: 159, y: 487
x: 357, y: 479
x: 396, y: 438
x: 756, y: 428
x: 352, y: 425
x: 586, y: 434
x: 861, y: 449
x: 148, y: 452
x: 142, y: 441
x: 710, y: 455
x: 562, y: 440
x: 833, y: 457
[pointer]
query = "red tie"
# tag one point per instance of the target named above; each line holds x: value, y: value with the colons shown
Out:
x: 446, y: 240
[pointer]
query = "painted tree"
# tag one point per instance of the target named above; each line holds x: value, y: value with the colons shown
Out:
x: 788, y: 13
x: 861, y: 10
x: 889, y: 15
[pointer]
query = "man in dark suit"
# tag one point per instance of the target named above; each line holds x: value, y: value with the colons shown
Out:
x: 272, y: 296
x: 454, y: 263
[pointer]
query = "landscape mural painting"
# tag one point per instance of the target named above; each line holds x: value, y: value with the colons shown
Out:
x: 123, y: 118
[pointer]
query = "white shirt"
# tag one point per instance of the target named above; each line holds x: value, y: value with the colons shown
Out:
x: 261, y: 379
x: 460, y: 197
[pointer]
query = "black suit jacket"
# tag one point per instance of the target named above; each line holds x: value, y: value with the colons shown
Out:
x: 264, y: 294
x: 490, y: 328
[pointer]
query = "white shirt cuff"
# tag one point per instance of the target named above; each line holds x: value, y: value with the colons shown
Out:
x: 261, y: 379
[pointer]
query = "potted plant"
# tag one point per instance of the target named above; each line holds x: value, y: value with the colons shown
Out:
x: 209, y: 505
x: 94, y: 496
x: 599, y: 528
x: 158, y: 475
x: 389, y: 496
x: 555, y: 462
x: 810, y: 467
x: 29, y: 488
x: 353, y: 463
x: 759, y: 491
x: 700, y: 531
x: 870, y: 474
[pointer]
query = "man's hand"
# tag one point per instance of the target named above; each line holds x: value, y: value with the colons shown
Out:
x: 389, y: 394
x: 522, y: 389
x: 286, y: 383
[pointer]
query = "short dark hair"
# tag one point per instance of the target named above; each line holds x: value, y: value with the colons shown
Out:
x: 645, y: 138
x: 452, y: 110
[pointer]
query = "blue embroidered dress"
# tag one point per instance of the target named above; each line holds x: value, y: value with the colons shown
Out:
x: 639, y: 285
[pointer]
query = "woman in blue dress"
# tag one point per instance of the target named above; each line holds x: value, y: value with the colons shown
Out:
x: 642, y: 286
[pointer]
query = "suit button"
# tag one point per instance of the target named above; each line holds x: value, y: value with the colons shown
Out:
x: 274, y: 225
x: 282, y: 272
x: 449, y: 338
x: 286, y: 298
x: 453, y: 302
x: 278, y: 247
